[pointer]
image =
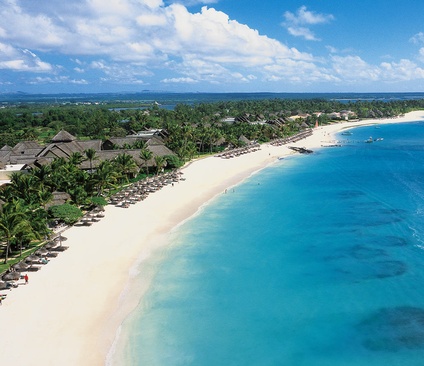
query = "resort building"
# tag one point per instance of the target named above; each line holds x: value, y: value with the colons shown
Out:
x: 29, y: 154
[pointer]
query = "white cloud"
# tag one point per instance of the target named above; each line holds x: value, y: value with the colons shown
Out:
x: 302, y: 32
x: 298, y: 72
x: 295, y: 23
x: 194, y: 2
x: 421, y: 54
x: 56, y: 80
x: 331, y: 49
x: 304, y: 16
x: 151, y: 20
x: 179, y: 81
x: 29, y: 30
x: 120, y: 73
x: 417, y: 38
x: 21, y: 60
x: 354, y: 69
x: 135, y: 37
x: 404, y: 70
x: 129, y: 41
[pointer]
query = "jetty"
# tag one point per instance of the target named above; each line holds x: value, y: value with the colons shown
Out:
x: 300, y: 150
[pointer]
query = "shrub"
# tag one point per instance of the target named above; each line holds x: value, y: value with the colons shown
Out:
x: 67, y: 213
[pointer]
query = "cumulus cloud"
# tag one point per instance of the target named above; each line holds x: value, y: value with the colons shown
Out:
x: 421, y: 54
x: 417, y: 38
x: 194, y: 2
x: 129, y: 41
x: 354, y: 69
x: 56, y: 80
x: 403, y: 70
x: 179, y: 81
x: 21, y: 60
x: 296, y: 24
x: 142, y: 34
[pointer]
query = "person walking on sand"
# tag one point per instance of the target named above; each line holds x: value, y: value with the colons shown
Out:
x: 26, y: 279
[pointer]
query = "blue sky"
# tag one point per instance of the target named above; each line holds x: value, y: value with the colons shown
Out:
x: 211, y: 46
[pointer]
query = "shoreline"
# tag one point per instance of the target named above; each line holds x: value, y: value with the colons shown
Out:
x: 71, y: 310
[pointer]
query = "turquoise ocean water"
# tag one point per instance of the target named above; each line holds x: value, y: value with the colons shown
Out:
x: 316, y: 260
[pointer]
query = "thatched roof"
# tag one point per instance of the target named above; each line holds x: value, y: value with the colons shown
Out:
x: 160, y: 150
x: 63, y: 136
x: 154, y: 141
x: 59, y: 198
x: 244, y: 139
x: 66, y: 149
x: 25, y: 145
x: 121, y: 141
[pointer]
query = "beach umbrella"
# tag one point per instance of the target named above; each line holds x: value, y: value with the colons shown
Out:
x: 3, y: 285
x: 49, y: 245
x: 60, y: 238
x: 21, y: 266
x: 11, y: 276
x: 86, y: 221
x: 42, y: 251
x: 32, y: 257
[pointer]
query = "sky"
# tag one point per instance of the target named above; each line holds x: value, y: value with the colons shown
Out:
x: 86, y: 46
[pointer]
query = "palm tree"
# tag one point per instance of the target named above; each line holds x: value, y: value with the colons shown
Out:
x: 146, y: 155
x: 38, y: 221
x: 76, y: 158
x: 44, y: 196
x: 105, y: 176
x: 91, y: 155
x: 160, y: 163
x: 12, y: 222
x: 43, y: 174
x: 125, y: 164
x: 23, y: 186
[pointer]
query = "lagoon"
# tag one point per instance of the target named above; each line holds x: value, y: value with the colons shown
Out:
x: 315, y: 260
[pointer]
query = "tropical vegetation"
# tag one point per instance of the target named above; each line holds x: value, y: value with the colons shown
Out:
x: 192, y: 130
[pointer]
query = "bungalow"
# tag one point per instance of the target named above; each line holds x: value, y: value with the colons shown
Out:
x: 30, y: 154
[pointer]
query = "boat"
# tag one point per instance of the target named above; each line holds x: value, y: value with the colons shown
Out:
x: 347, y: 133
x: 369, y: 140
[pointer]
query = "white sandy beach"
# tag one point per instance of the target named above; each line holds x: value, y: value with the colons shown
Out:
x: 69, y: 312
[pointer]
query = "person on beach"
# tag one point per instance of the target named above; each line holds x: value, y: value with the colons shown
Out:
x: 26, y: 279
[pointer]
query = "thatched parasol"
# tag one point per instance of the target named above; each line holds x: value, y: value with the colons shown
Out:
x: 33, y: 257
x: 59, y: 248
x: 42, y: 251
x: 60, y: 238
x: 49, y: 245
x: 21, y: 266
x: 3, y: 285
x: 11, y: 276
